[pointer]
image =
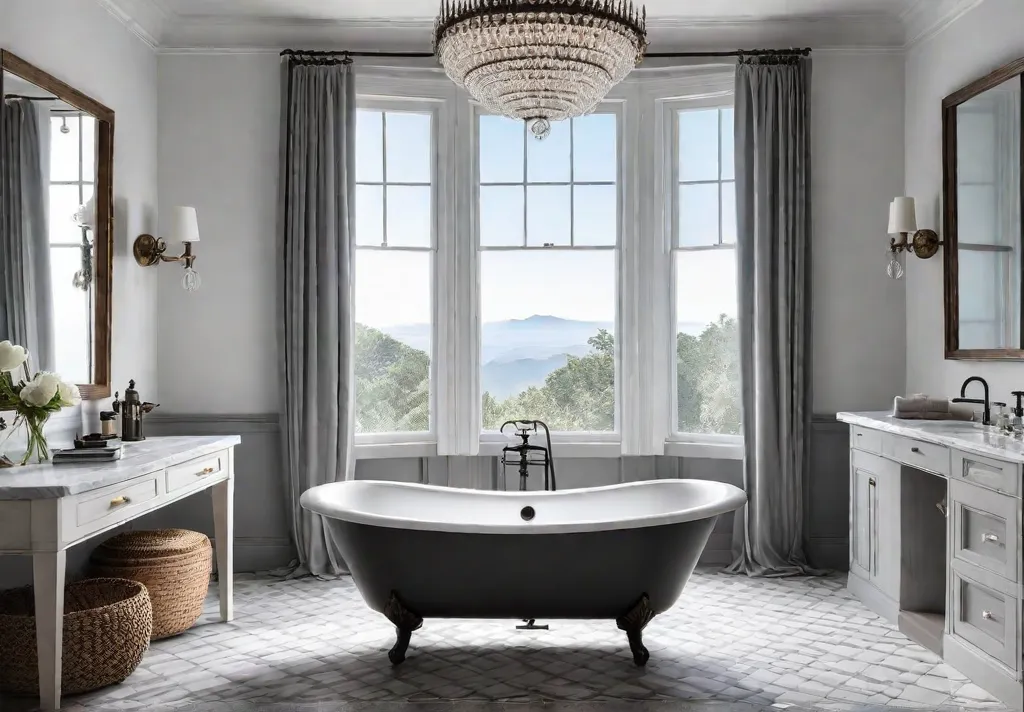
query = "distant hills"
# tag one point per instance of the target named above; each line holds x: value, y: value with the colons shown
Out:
x: 519, y: 353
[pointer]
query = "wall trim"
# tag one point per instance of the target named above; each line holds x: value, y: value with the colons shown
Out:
x: 239, y: 423
x: 925, y: 19
x: 144, y: 18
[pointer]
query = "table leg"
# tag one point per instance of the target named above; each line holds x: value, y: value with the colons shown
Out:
x: 48, y: 577
x: 224, y: 525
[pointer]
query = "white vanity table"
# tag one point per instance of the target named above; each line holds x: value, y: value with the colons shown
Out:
x: 950, y: 579
x: 45, y: 510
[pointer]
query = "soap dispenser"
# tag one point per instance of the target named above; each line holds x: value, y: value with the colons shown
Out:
x: 1018, y: 414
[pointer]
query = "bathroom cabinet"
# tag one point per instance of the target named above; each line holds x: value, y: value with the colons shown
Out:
x: 936, y: 540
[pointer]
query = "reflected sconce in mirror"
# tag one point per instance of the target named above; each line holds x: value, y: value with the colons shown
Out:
x: 85, y: 218
x: 903, y: 224
x: 149, y: 250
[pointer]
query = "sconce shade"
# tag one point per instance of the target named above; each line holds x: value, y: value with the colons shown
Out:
x: 184, y: 225
x: 902, y: 216
x: 86, y: 214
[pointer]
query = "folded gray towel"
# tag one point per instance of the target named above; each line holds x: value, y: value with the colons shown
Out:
x: 920, y: 407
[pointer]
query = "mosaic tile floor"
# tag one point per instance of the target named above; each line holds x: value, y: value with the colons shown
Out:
x: 313, y: 645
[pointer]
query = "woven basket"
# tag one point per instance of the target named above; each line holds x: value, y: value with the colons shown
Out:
x: 107, y: 624
x: 175, y: 566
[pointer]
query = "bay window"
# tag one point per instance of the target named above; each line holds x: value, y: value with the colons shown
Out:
x: 548, y: 236
x: 587, y: 280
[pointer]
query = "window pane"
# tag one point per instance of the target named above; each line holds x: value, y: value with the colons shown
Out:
x: 698, y: 145
x: 392, y: 352
x: 728, y: 145
x: 409, y: 216
x: 71, y: 318
x: 64, y: 148
x: 64, y: 203
x: 369, y: 146
x: 548, y: 338
x: 548, y: 218
x: 698, y: 215
x: 410, y: 147
x: 502, y: 153
x: 595, y: 149
x: 976, y: 215
x: 369, y: 215
x: 501, y: 216
x: 89, y: 141
x: 548, y: 160
x: 729, y: 213
x: 707, y: 343
x: 595, y: 214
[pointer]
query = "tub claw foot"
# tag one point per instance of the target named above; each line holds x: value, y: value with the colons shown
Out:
x: 633, y: 622
x: 405, y: 622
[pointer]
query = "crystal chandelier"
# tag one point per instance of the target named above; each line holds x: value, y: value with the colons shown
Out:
x: 540, y: 60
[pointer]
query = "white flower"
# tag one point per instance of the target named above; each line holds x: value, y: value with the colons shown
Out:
x: 40, y: 390
x: 11, y: 356
x: 69, y: 394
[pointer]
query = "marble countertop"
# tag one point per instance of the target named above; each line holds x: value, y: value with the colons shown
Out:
x: 48, y: 481
x: 962, y: 435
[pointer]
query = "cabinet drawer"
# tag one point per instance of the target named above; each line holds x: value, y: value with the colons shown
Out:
x: 920, y: 455
x: 985, y: 529
x: 984, y: 471
x: 194, y: 471
x: 984, y: 616
x: 96, y: 510
x: 866, y: 439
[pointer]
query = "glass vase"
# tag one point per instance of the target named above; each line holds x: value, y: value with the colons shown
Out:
x: 23, y: 442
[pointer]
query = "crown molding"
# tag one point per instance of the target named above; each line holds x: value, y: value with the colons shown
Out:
x: 145, y: 19
x: 924, y: 19
x: 841, y: 32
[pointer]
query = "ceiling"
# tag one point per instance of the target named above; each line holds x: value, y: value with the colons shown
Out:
x: 425, y: 9
x: 406, y: 25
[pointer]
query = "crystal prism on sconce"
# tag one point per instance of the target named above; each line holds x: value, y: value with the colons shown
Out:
x: 149, y: 250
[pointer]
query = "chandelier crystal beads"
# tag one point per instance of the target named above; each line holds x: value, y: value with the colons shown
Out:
x: 540, y: 60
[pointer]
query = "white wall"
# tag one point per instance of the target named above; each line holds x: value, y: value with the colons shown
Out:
x: 990, y: 35
x: 82, y: 44
x: 857, y: 164
x: 219, y: 151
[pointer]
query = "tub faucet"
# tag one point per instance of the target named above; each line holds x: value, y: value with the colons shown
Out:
x: 987, y: 413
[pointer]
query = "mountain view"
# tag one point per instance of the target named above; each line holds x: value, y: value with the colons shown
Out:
x: 557, y: 370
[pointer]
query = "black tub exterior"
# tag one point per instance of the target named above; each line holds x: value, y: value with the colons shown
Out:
x: 600, y: 574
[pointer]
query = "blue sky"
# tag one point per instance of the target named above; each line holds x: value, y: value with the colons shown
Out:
x: 515, y: 285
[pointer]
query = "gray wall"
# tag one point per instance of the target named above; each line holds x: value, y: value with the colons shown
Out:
x: 262, y: 538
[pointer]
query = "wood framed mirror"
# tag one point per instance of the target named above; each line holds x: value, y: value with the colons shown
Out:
x: 983, y: 217
x: 56, y: 225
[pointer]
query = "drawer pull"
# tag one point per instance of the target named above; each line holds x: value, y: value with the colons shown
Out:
x: 871, y: 482
x: 989, y: 538
x: 916, y: 450
x: 120, y: 501
x: 205, y: 472
x: 987, y: 615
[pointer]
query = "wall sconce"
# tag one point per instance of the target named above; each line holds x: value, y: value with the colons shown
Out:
x: 903, y: 222
x: 149, y: 250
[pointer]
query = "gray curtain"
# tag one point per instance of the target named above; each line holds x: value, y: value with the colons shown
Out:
x: 26, y: 299
x: 774, y: 253
x: 317, y: 319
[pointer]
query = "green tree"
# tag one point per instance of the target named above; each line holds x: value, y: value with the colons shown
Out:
x: 392, y: 384
x: 708, y: 379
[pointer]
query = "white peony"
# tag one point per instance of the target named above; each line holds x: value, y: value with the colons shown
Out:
x: 69, y: 394
x: 40, y: 390
x: 11, y: 356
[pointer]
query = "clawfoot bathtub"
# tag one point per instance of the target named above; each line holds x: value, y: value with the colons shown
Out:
x: 622, y: 552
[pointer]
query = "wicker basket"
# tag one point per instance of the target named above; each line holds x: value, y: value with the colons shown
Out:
x: 107, y: 624
x: 174, y: 564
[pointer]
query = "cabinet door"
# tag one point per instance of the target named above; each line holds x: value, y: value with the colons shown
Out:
x: 885, y: 541
x: 861, y: 520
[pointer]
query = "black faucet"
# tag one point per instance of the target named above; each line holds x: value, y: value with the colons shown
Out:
x: 986, y: 418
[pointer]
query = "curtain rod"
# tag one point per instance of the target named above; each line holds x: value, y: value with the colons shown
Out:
x: 345, y: 55
x: 31, y: 98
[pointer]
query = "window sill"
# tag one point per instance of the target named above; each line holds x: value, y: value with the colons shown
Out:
x: 571, y: 450
x: 705, y: 450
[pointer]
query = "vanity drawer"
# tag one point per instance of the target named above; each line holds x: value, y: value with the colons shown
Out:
x: 984, y: 471
x: 984, y: 616
x: 920, y: 455
x: 866, y: 439
x: 194, y: 471
x: 985, y: 529
x: 96, y: 510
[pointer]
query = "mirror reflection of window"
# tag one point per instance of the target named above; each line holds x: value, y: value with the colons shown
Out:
x: 989, y: 218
